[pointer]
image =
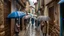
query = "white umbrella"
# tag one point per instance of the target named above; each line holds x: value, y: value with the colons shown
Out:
x: 35, y: 15
x: 27, y: 16
x: 43, y: 18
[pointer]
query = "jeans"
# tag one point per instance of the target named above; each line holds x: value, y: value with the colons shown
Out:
x: 44, y: 34
x: 17, y: 33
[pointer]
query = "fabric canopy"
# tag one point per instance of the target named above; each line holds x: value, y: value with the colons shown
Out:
x: 16, y: 14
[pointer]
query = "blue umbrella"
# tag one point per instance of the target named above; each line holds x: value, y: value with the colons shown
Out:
x: 16, y: 14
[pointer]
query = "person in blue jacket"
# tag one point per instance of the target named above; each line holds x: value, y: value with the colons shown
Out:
x: 32, y: 20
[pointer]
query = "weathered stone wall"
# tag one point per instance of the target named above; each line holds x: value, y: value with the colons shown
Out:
x: 2, y: 32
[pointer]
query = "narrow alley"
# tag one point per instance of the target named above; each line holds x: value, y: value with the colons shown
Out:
x: 31, y: 17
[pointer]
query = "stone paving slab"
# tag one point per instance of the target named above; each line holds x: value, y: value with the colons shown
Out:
x: 22, y: 33
x: 29, y: 29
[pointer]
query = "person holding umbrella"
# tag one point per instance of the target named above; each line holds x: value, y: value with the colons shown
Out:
x: 17, y: 28
x: 16, y: 15
x: 43, y: 27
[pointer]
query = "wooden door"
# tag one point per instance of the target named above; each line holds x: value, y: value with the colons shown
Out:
x: 7, y: 10
x: 51, y: 15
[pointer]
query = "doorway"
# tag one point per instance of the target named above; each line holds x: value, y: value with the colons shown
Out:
x: 7, y: 22
x: 51, y: 22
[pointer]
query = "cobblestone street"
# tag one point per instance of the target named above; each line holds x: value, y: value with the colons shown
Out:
x: 29, y: 32
x: 22, y: 33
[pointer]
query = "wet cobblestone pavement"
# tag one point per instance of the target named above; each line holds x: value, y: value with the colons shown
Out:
x: 22, y: 33
x: 29, y: 32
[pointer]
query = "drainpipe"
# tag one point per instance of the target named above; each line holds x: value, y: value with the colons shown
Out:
x: 61, y: 2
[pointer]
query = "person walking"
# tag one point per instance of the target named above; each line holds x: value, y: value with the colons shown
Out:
x: 25, y: 24
x: 43, y: 28
x: 17, y: 28
x: 37, y: 23
x: 32, y: 20
x: 40, y: 27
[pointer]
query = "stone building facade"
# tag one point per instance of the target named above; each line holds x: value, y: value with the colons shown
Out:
x: 41, y: 6
x: 4, y: 22
x: 51, y: 8
x: 27, y: 9
x: 2, y: 32
x: 7, y: 25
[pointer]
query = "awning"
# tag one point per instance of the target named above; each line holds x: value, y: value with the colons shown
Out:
x: 61, y: 1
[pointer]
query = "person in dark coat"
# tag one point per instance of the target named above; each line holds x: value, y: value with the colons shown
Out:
x: 17, y: 28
